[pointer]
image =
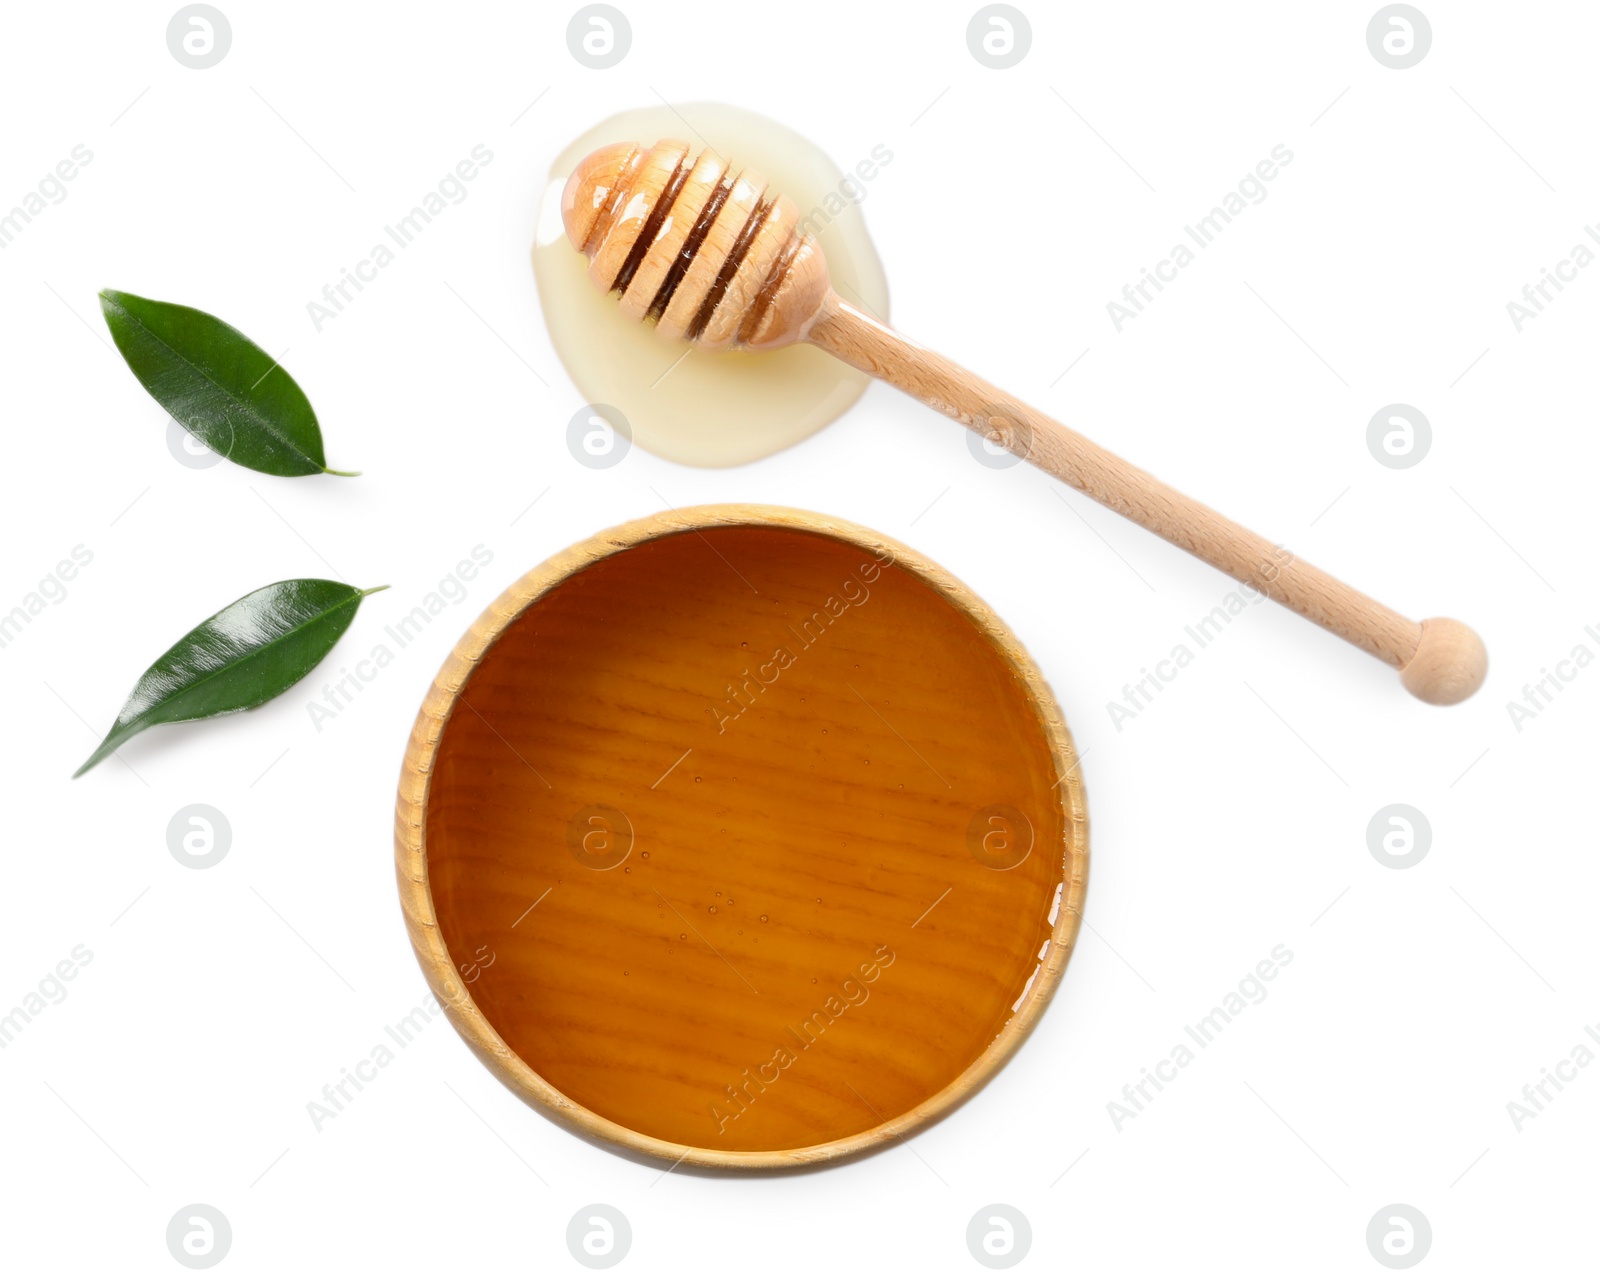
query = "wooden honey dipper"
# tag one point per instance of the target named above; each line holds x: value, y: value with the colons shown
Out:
x: 707, y: 252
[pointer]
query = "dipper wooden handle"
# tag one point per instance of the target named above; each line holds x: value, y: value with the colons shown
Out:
x: 709, y: 254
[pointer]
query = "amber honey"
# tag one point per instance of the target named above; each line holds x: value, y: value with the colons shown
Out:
x: 748, y: 838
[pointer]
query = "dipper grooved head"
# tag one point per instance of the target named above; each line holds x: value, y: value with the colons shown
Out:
x: 702, y: 248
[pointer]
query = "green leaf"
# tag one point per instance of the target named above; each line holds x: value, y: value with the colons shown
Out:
x: 218, y: 384
x: 247, y: 653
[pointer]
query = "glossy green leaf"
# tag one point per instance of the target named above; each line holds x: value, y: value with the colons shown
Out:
x: 218, y: 384
x: 247, y: 653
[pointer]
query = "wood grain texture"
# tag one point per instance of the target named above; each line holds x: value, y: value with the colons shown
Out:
x: 814, y: 826
x: 756, y: 281
x: 1451, y: 669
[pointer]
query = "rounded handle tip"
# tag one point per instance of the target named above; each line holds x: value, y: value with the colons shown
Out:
x: 1448, y: 665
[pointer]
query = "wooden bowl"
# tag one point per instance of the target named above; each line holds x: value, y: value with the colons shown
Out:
x: 741, y: 836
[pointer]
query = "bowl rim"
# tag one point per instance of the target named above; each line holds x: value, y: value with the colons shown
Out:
x: 411, y: 853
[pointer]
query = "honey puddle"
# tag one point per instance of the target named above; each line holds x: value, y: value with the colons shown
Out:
x: 713, y: 409
x: 713, y: 839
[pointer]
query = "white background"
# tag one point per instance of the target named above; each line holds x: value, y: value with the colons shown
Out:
x: 1227, y: 818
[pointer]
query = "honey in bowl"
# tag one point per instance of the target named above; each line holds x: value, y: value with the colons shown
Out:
x: 745, y: 834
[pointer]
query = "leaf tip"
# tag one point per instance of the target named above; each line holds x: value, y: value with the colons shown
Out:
x: 107, y: 746
x: 342, y: 473
x: 367, y: 593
